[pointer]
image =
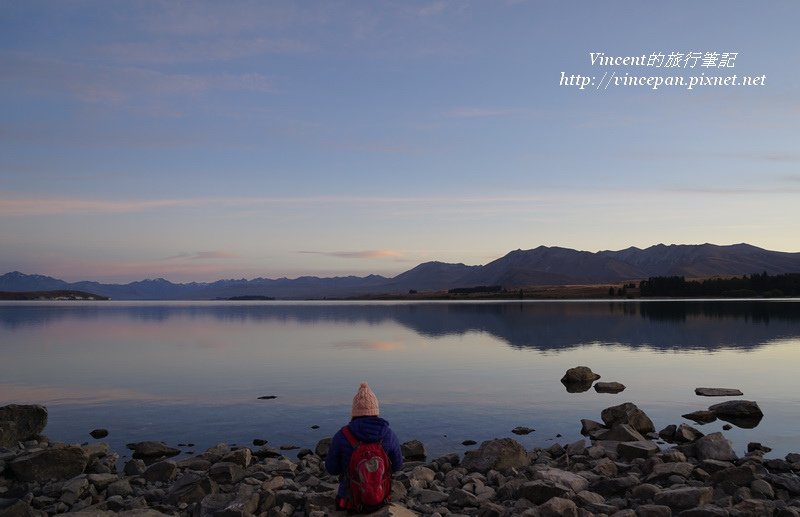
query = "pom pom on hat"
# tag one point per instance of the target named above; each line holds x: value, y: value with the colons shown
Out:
x: 365, y: 403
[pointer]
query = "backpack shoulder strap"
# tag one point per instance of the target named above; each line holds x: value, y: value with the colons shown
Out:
x: 350, y: 436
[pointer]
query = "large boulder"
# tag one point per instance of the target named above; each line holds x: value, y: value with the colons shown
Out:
x: 28, y: 422
x: 742, y: 413
x: 500, y: 454
x: 51, y: 463
x: 190, y: 488
x: 628, y: 413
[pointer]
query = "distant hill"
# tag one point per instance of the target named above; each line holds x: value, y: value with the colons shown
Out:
x: 539, y: 266
x: 50, y: 295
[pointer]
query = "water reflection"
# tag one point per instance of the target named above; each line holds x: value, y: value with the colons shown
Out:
x: 659, y: 325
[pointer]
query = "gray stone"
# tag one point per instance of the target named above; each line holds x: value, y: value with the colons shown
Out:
x: 542, y: 490
x: 628, y: 413
x: 683, y: 498
x: 742, y: 413
x: 686, y: 434
x: 622, y: 433
x: 637, y: 449
x: 241, y: 457
x: 761, y: 489
x: 714, y: 447
x: 150, y: 449
x: 226, y: 472
x: 134, y: 468
x: 29, y: 421
x: 576, y: 448
x: 51, y: 463
x: 432, y: 496
x: 589, y: 426
x: 614, y: 486
x: 668, y: 433
x: 717, y: 392
x: 322, y: 447
x: 645, y: 492
x: 653, y: 510
x: 575, y: 482
x: 608, y: 387
x: 421, y: 473
x: 500, y: 454
x: 462, y: 498
x: 120, y: 488
x: 163, y: 471
x: 740, y: 476
x: 665, y: 470
x: 701, y: 417
x: 101, y: 481
x: 558, y: 507
x: 413, y: 450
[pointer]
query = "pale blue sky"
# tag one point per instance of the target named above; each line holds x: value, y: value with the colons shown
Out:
x: 206, y: 140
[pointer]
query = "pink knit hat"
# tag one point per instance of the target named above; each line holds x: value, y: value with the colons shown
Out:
x: 365, y: 403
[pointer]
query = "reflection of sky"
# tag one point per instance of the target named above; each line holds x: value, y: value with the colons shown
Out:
x: 195, y: 364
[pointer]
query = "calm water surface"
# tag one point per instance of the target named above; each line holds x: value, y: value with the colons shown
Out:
x: 444, y: 372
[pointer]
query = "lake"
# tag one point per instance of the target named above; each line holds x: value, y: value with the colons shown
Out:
x: 444, y: 372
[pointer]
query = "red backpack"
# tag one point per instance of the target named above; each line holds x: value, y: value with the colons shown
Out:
x: 370, y: 474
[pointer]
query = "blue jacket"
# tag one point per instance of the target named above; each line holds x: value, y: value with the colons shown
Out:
x: 367, y: 429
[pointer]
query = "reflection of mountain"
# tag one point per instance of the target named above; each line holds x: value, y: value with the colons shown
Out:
x: 665, y: 325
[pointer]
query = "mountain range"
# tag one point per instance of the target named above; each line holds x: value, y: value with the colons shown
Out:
x: 539, y: 266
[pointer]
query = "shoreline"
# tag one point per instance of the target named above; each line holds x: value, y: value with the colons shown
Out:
x: 622, y: 465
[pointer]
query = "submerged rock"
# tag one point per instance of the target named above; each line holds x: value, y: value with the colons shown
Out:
x: 701, y: 417
x: 522, y: 430
x: 717, y: 392
x: 150, y: 449
x: 742, y: 413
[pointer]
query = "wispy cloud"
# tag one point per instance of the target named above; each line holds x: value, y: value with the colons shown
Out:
x: 115, y: 85
x: 217, y: 49
x: 356, y: 254
x: 204, y: 255
x: 11, y: 205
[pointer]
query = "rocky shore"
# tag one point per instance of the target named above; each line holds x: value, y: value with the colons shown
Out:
x: 622, y: 469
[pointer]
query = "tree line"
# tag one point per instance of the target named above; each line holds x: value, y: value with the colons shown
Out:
x: 755, y: 285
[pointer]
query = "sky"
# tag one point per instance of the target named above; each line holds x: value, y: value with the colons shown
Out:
x: 196, y: 141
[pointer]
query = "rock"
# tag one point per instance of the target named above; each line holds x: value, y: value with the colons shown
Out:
x: 575, y: 482
x: 432, y: 496
x: 558, y: 507
x: 542, y: 490
x: 190, y: 488
x: 668, y: 433
x: 665, y: 470
x: 579, y: 374
x: 163, y: 471
x: 576, y: 448
x: 621, y: 433
x: 500, y: 454
x: 51, y: 463
x: 579, y: 379
x: 628, y: 413
x: 686, y: 434
x: 322, y: 447
x: 614, y: 486
x: 393, y: 510
x: 701, y: 417
x: 653, y: 510
x: 717, y: 392
x: 413, y: 450
x: 119, y: 488
x: 101, y: 481
x: 761, y: 489
x: 684, y: 498
x: 19, y: 423
x: 706, y: 510
x: 628, y: 451
x: 469, y: 442
x: 258, y: 442
x: 226, y: 472
x: 742, y: 413
x: 265, y: 451
x: 608, y: 387
x: 99, y: 433
x: 268, y: 397
x: 151, y: 450
x: 522, y: 430
x: 589, y: 426
x: 241, y: 457
x: 714, y: 447
x: 462, y: 498
x: 134, y: 468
